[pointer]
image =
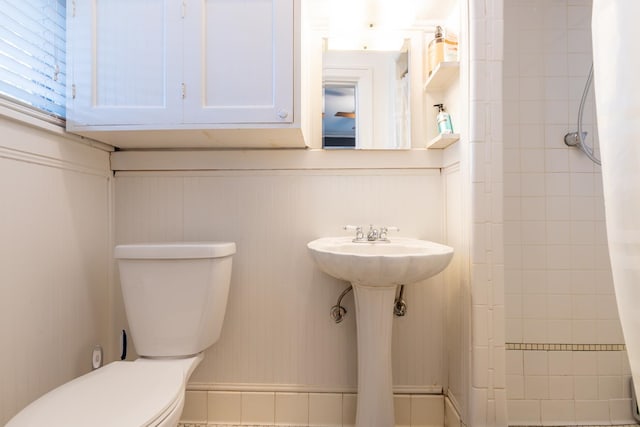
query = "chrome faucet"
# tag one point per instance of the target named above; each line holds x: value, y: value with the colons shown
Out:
x: 373, y: 235
x: 383, y: 233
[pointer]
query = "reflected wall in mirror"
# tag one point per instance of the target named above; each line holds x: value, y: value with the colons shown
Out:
x: 339, y: 115
x: 379, y: 99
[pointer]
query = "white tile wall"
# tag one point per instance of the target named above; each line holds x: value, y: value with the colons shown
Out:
x: 221, y: 408
x: 486, y: 390
x: 558, y: 287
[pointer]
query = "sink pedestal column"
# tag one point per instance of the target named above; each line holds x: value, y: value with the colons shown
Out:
x: 374, y: 322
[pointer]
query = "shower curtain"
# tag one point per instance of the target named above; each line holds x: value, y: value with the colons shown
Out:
x: 616, y: 57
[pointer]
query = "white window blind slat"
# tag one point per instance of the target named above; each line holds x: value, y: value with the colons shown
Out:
x: 32, y: 53
x: 41, y: 57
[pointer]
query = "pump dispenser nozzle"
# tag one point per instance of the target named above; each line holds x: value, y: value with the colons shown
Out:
x: 444, y: 120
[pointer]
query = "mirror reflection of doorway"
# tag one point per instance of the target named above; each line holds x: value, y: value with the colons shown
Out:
x: 339, y: 115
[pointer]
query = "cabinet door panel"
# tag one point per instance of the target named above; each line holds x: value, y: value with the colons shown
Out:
x: 125, y: 62
x: 239, y: 65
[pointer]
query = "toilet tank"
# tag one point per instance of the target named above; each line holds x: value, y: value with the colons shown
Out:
x: 175, y: 294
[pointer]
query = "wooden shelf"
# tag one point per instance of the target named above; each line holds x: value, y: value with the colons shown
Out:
x: 443, y: 140
x: 443, y: 75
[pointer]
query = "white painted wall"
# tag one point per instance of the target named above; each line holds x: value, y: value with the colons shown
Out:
x: 277, y: 333
x: 55, y: 260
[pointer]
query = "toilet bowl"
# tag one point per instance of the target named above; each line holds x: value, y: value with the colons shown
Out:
x: 175, y: 297
x: 145, y: 392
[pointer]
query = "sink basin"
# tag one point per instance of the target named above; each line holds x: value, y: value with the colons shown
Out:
x: 400, y: 261
x: 375, y: 269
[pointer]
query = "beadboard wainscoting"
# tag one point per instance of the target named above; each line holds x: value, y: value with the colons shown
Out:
x: 277, y: 329
x: 55, y: 247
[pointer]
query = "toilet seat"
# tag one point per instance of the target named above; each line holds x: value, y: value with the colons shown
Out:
x: 125, y: 394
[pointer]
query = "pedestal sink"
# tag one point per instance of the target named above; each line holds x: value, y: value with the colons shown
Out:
x: 375, y: 269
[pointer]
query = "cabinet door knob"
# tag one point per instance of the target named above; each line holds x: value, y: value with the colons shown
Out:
x: 283, y: 114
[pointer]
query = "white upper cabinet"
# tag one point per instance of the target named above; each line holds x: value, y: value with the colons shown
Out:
x: 185, y: 73
x: 238, y: 61
x: 125, y: 62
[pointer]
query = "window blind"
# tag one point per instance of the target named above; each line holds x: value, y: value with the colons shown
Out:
x: 32, y: 53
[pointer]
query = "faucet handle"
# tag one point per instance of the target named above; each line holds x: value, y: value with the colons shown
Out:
x: 358, y: 229
x: 384, y: 230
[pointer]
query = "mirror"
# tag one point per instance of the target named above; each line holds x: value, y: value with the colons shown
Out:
x: 366, y: 98
x: 347, y: 38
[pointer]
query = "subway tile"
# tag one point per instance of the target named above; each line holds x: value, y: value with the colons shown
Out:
x: 258, y: 408
x: 559, y: 281
x: 557, y: 412
x: 427, y: 411
x: 515, y: 386
x: 480, y: 359
x: 592, y: 412
x: 559, y: 257
x: 499, y: 358
x: 533, y: 208
x: 534, y: 256
x: 558, y: 233
x: 579, y: 41
x: 561, y: 387
x: 326, y: 409
x: 558, y: 208
x: 585, y: 387
x: 292, y: 409
x: 532, y: 184
x: 556, y: 111
x: 195, y: 407
x: 582, y: 184
x: 524, y: 412
x: 451, y: 416
x: 555, y: 15
x: 585, y: 363
x: 534, y: 306
x: 583, y: 282
x: 583, y: 307
x: 607, y: 307
x: 609, y: 362
x: 609, y: 331
x: 224, y: 407
x: 561, y: 363
x: 534, y: 330
x: 556, y: 64
x: 556, y: 160
x: 584, y: 331
x: 514, y: 330
x: 534, y: 232
x: 536, y: 387
x: 620, y: 411
x: 402, y: 410
x: 557, y: 184
x: 349, y: 402
x: 582, y: 257
x: 559, y: 331
x: 559, y: 307
x: 609, y: 387
x: 534, y: 282
x: 554, y: 41
x: 578, y: 16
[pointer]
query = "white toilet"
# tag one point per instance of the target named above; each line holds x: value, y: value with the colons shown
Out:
x: 175, y: 296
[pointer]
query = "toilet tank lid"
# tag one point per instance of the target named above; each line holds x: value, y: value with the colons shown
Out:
x: 175, y: 250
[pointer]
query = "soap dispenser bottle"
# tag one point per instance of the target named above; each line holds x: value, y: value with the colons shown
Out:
x: 444, y: 120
